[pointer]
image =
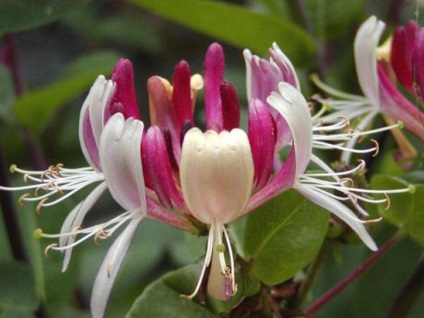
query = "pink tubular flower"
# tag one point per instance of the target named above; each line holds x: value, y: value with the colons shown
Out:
x: 217, y: 176
x: 175, y: 173
x: 110, y: 134
x: 381, y: 94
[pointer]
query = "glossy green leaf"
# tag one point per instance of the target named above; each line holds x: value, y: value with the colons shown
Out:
x: 235, y: 25
x: 36, y: 108
x: 406, y: 210
x: 25, y: 14
x: 17, y: 294
x: 283, y: 236
x: 171, y: 286
x: 163, y: 297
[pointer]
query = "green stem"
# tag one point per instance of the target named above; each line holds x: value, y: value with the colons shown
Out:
x: 330, y: 294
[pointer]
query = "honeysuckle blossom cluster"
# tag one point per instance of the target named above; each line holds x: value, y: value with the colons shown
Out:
x: 196, y: 179
x: 377, y: 81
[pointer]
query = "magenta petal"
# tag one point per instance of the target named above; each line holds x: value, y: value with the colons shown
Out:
x: 401, y: 53
x: 124, y: 100
x: 89, y: 142
x: 230, y: 106
x: 160, y: 213
x: 214, y: 75
x: 262, y: 141
x: 394, y: 104
x: 163, y: 113
x: 181, y: 93
x: 158, y: 168
x: 284, y: 180
x: 418, y: 64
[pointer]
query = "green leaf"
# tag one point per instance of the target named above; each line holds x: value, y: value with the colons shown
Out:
x: 406, y: 210
x: 36, y: 108
x: 163, y: 297
x: 171, y: 286
x: 25, y: 14
x: 235, y: 25
x: 17, y: 295
x: 283, y: 236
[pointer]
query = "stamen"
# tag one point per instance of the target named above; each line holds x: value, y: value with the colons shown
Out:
x: 388, y: 202
x: 46, y: 250
x: 40, y: 205
x: 377, y: 147
x: 206, y: 263
x: 22, y: 198
x: 373, y: 220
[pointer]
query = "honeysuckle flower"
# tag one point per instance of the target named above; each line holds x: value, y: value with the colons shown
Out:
x: 175, y: 173
x: 217, y: 176
x: 380, y: 93
x: 110, y: 133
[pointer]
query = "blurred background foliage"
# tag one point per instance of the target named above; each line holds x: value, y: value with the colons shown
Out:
x: 62, y: 45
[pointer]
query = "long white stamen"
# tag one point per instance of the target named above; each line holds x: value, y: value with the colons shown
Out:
x: 206, y: 263
x: 55, y: 180
x: 230, y: 252
x: 98, y: 231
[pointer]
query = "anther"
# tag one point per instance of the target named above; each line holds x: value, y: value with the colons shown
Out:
x: 46, y: 250
x: 388, y: 202
x: 75, y: 231
x: 377, y: 147
x: 373, y: 220
x: 349, y: 181
x: 40, y: 205
x: 361, y: 165
x: 22, y: 198
x: 346, y: 121
x: 411, y: 189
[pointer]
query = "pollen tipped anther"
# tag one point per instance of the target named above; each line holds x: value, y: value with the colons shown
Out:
x: 388, y: 202
x: 22, y: 198
x: 373, y: 220
x: 40, y: 205
x: 46, y: 250
x: 12, y: 168
x: 377, y: 147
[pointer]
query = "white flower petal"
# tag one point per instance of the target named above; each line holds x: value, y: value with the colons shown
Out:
x: 74, y: 220
x: 288, y: 64
x: 216, y: 172
x: 340, y: 210
x: 120, y: 158
x: 292, y: 106
x: 365, y: 46
x: 92, y: 117
x: 110, y: 266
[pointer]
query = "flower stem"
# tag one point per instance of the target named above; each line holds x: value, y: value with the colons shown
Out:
x: 409, y: 293
x: 330, y: 294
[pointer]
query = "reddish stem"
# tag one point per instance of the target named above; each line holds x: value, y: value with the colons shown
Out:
x: 330, y: 294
